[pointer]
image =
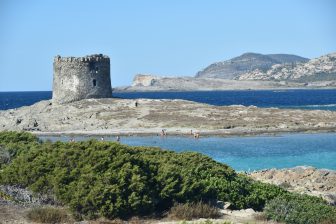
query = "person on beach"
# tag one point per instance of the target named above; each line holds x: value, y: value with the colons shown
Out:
x: 118, y: 138
x: 163, y: 132
x: 136, y: 103
x: 102, y: 138
x: 196, y: 135
x: 191, y: 132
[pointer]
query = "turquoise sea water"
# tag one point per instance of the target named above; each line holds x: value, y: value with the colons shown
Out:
x: 246, y: 153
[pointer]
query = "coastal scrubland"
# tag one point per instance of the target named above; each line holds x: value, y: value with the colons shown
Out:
x: 107, y: 179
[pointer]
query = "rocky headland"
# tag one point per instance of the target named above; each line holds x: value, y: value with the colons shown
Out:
x: 246, y: 72
x: 147, y: 116
x: 147, y: 82
x: 307, y: 180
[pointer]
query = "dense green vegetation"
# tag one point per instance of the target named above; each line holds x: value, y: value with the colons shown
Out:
x: 112, y: 180
x: 13, y: 143
x: 298, y: 209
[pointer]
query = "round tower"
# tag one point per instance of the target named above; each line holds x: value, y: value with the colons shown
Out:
x: 81, y: 78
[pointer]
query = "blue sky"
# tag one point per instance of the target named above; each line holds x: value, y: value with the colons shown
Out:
x: 175, y: 37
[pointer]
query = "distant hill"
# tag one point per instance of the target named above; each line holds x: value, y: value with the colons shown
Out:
x: 247, y: 62
x: 271, y: 71
x: 317, y: 69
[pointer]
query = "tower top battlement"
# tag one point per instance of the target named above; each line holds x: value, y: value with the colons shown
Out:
x: 88, y: 58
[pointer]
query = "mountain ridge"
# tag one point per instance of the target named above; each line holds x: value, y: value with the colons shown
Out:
x: 322, y: 68
x: 232, y: 68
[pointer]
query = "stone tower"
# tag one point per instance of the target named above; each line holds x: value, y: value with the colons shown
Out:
x: 81, y: 78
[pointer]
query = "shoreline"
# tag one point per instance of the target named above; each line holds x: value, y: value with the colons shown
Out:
x: 128, y: 89
x: 156, y: 141
x: 207, y: 133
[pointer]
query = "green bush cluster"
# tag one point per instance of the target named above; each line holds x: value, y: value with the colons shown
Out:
x: 107, y: 179
x: 299, y: 209
x: 7, y: 137
x: 13, y: 143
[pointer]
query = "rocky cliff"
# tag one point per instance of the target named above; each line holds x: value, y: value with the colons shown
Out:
x: 247, y: 62
x: 144, y: 80
x: 318, y: 69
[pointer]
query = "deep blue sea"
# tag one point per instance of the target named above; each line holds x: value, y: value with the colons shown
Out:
x: 245, y: 153
x: 301, y: 99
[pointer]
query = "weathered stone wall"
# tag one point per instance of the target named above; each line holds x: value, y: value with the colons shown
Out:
x: 81, y: 78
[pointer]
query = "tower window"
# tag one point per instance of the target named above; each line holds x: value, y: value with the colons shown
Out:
x: 94, y: 82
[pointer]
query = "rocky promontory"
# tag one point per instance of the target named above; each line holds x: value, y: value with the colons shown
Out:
x: 147, y: 116
x: 145, y: 83
x: 307, y: 180
x: 246, y: 72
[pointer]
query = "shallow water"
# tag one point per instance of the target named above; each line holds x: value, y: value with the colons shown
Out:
x: 246, y: 153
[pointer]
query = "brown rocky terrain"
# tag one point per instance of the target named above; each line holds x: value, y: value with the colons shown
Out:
x: 308, y: 180
x: 121, y: 116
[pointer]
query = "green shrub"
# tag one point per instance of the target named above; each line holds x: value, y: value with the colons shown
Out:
x: 48, y: 215
x: 13, y: 143
x: 7, y: 137
x: 300, y: 209
x: 113, y: 180
x: 106, y: 179
x: 191, y: 211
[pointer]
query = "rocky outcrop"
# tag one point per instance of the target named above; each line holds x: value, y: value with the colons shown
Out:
x: 308, y: 180
x: 318, y: 69
x: 147, y: 116
x: 247, y: 62
x: 144, y: 80
x: 19, y: 195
